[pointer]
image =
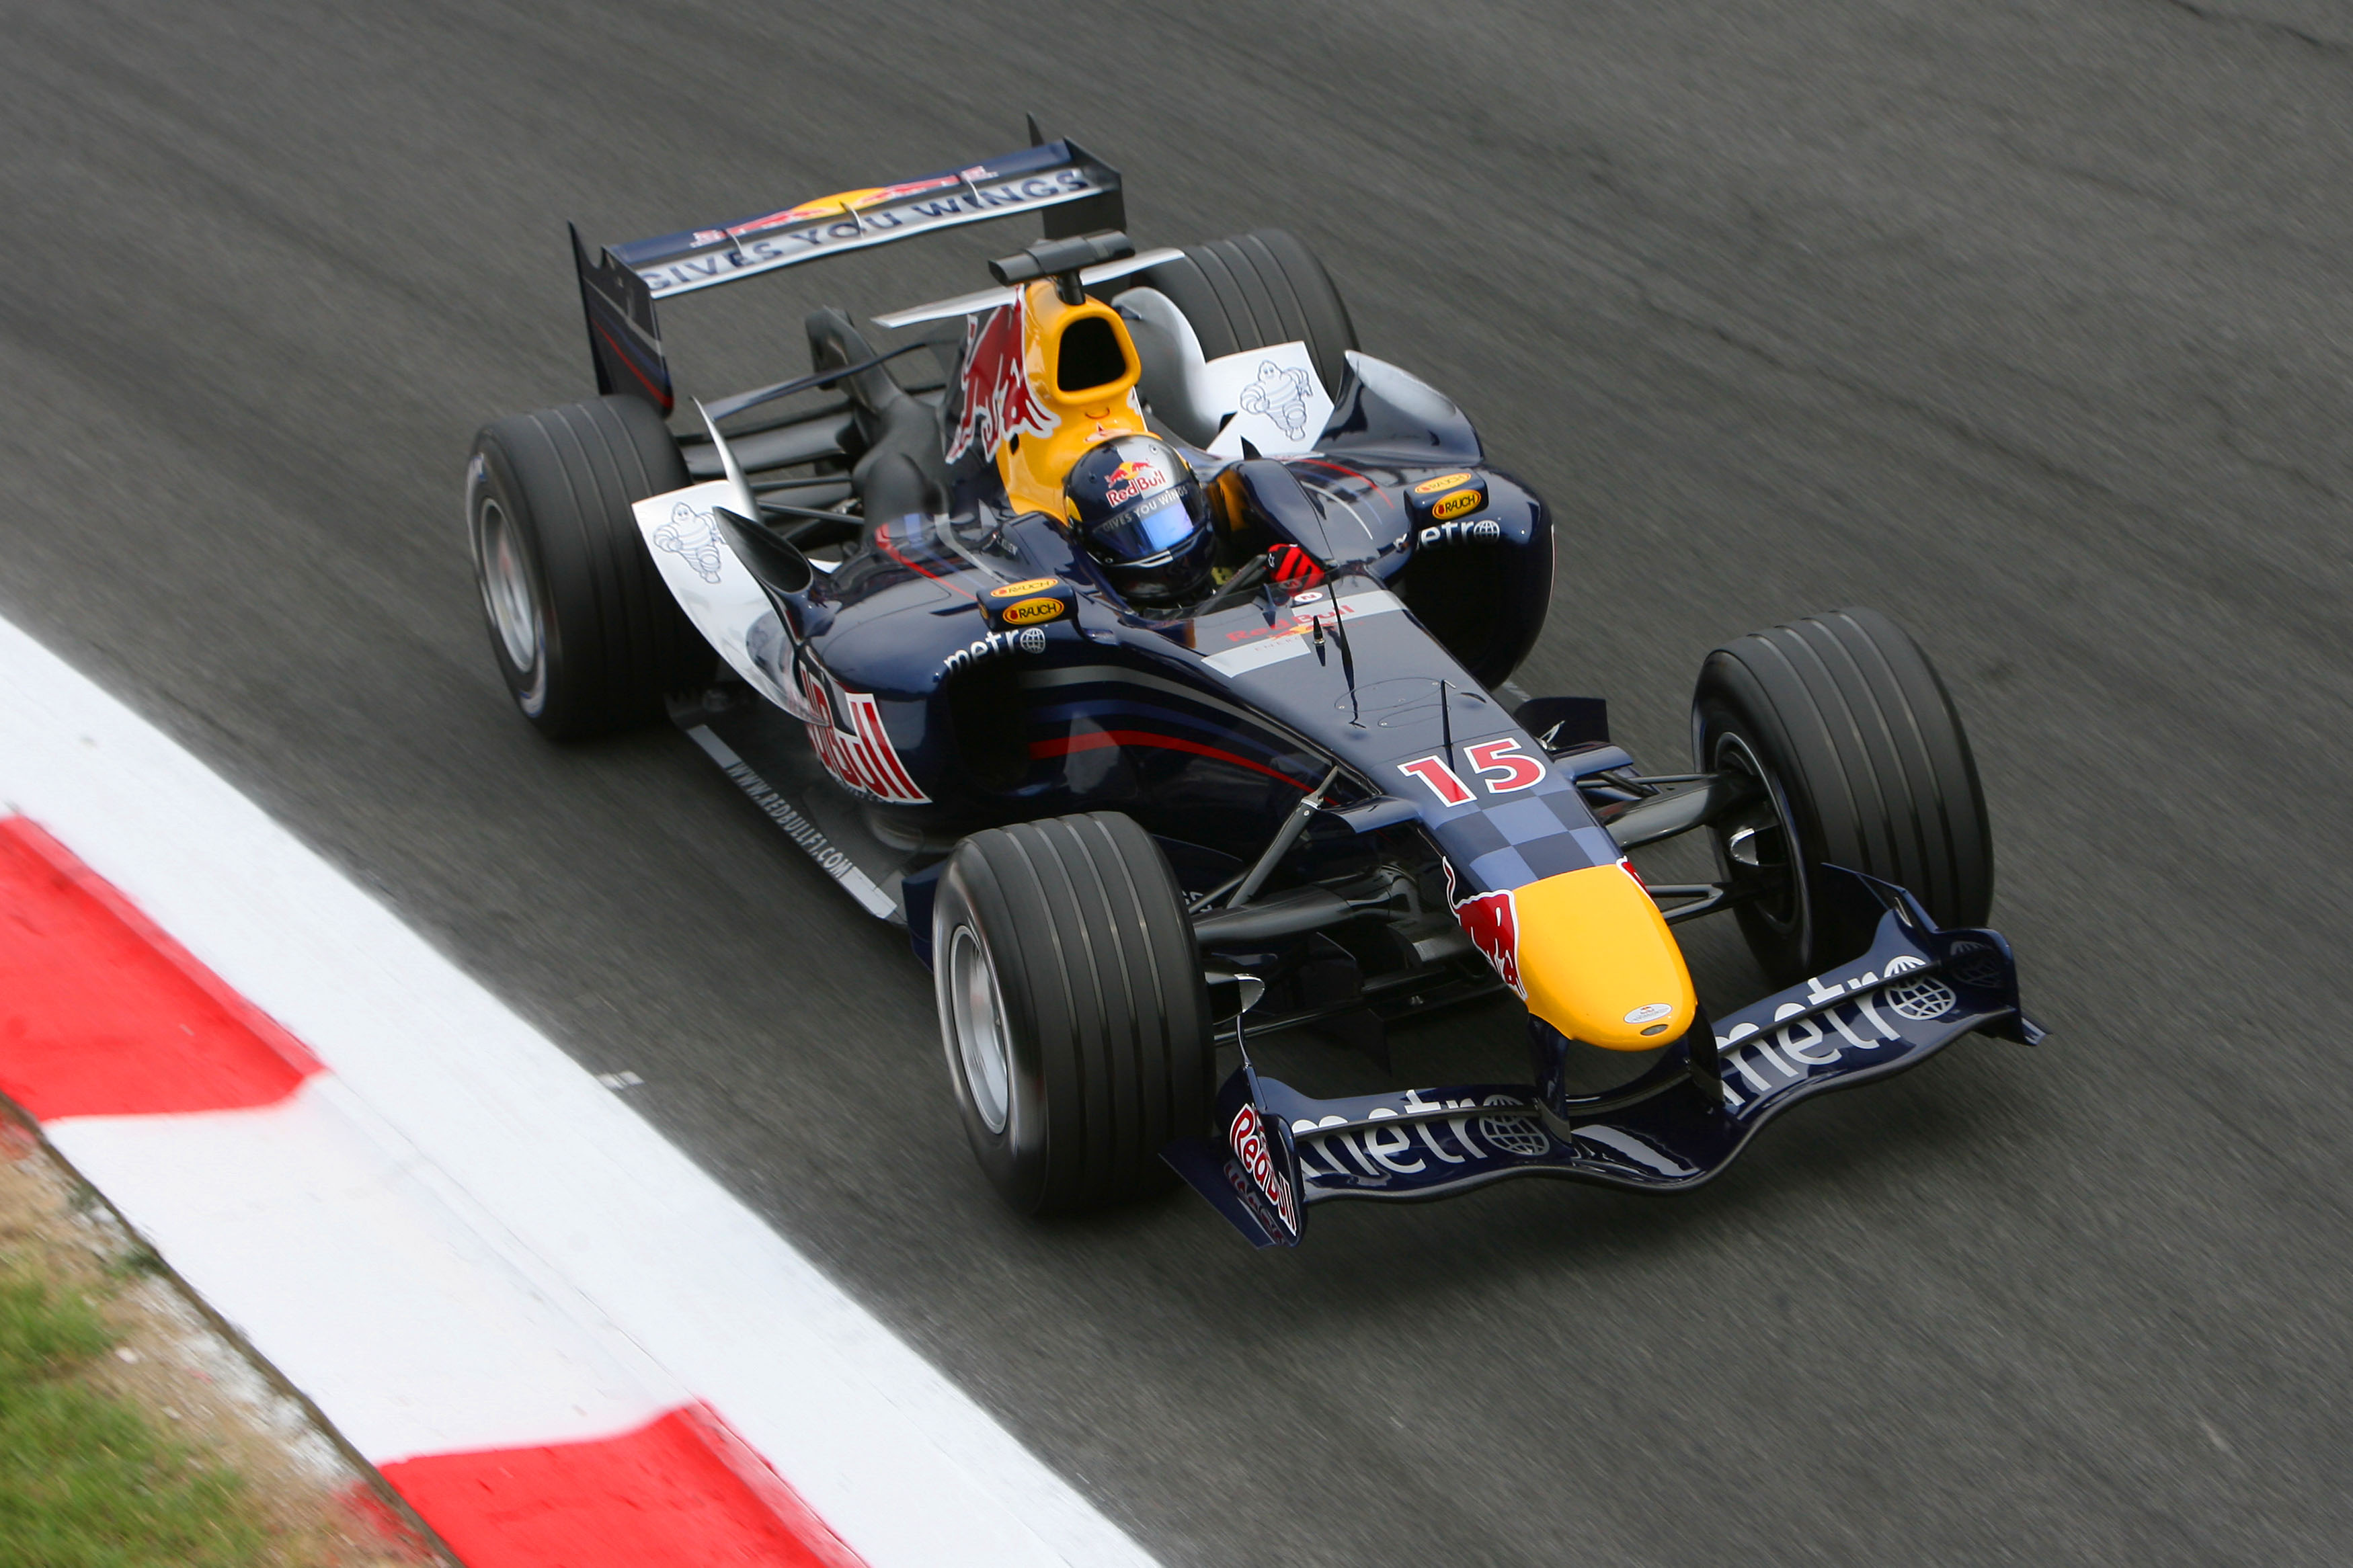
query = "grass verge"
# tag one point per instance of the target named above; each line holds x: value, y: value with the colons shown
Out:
x: 132, y: 1434
x: 86, y: 1481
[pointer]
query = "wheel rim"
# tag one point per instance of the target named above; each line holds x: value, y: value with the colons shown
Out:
x: 507, y: 591
x: 1756, y: 847
x: 978, y: 1013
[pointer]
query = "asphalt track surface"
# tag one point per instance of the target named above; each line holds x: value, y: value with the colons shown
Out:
x: 2024, y: 322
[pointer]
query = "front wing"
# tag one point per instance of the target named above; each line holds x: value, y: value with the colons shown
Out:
x: 1918, y: 990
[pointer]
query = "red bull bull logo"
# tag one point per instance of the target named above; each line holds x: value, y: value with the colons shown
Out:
x: 1136, y: 476
x: 1491, y: 921
x: 851, y: 201
x: 996, y: 400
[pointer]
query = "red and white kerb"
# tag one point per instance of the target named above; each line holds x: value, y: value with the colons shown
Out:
x: 552, y: 1333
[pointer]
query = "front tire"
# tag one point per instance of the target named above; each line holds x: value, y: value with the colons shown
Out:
x: 1072, y: 1009
x: 585, y: 634
x: 1860, y: 761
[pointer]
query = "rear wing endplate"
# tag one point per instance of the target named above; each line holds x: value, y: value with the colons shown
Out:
x: 623, y: 336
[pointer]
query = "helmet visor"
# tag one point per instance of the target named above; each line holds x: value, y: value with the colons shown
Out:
x: 1151, y: 527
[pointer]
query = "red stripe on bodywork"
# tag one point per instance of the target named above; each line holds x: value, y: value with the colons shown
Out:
x: 683, y: 1489
x: 1096, y: 741
x: 662, y: 394
x: 1340, y: 467
x: 101, y: 1014
x: 882, y: 543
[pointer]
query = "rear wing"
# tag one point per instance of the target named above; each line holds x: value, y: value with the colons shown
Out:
x: 1075, y: 191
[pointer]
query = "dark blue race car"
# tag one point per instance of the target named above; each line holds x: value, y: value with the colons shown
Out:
x: 1145, y: 649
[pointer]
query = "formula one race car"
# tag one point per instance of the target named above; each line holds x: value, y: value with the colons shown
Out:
x: 1149, y: 663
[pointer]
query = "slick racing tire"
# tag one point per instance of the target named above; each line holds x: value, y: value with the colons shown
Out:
x: 1072, y: 1008
x: 1860, y: 762
x: 584, y: 630
x: 1255, y: 290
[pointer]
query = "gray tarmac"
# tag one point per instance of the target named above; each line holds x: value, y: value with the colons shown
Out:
x: 2026, y: 322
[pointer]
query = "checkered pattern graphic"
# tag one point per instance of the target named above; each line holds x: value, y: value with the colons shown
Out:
x: 1510, y: 844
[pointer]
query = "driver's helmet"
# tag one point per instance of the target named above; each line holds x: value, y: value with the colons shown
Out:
x: 1137, y: 508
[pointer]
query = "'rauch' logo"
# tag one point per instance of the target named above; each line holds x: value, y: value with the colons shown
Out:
x: 1030, y: 611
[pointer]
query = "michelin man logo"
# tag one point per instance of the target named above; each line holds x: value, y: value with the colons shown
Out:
x: 694, y: 537
x: 1280, y: 396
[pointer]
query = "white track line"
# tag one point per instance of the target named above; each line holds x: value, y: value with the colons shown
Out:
x: 566, y: 1188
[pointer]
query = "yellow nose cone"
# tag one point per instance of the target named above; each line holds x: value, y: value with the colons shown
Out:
x: 1598, y: 962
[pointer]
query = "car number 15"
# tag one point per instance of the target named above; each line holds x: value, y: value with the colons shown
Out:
x: 1502, y: 765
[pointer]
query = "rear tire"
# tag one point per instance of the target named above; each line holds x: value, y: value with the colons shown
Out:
x: 1862, y: 764
x: 584, y: 631
x: 1257, y: 289
x: 1072, y: 1009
